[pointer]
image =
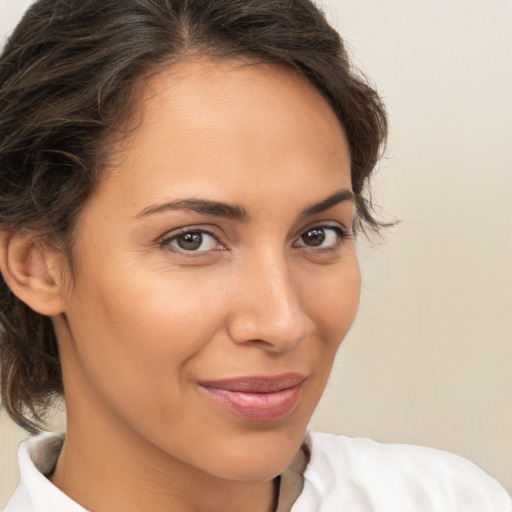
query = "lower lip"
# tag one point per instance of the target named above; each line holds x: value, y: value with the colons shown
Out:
x: 257, y: 407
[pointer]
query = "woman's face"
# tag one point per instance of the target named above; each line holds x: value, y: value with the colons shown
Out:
x: 215, y: 271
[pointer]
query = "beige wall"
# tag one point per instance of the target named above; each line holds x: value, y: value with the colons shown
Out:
x: 429, y: 360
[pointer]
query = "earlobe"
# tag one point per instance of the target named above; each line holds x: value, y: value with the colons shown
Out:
x: 31, y: 271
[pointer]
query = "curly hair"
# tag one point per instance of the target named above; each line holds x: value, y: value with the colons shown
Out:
x: 68, y: 77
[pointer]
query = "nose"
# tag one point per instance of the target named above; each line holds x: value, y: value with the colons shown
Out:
x: 268, y: 309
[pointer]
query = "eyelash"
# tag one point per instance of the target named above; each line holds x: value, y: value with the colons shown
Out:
x: 341, y: 234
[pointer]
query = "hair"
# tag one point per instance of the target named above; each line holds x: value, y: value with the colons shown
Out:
x: 68, y: 77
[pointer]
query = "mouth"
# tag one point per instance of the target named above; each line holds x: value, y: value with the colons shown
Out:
x: 257, y: 398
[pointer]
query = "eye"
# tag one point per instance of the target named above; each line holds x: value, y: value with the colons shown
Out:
x: 323, y: 237
x: 192, y: 241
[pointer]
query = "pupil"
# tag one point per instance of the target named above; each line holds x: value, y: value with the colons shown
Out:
x: 314, y: 237
x: 190, y: 241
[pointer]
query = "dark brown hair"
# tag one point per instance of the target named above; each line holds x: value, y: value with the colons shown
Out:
x: 68, y: 75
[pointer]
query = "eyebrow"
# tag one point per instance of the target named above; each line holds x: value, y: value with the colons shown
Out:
x: 237, y: 212
x: 230, y: 211
x: 334, y: 199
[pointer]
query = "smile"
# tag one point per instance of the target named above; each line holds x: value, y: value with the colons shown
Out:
x: 257, y: 399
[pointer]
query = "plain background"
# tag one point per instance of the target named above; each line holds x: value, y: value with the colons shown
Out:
x: 429, y: 359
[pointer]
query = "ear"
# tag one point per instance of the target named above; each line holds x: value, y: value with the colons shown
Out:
x: 32, y: 271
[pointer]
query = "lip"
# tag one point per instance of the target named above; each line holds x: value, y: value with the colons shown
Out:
x: 257, y: 398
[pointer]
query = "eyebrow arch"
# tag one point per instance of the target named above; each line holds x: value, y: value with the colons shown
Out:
x: 237, y: 212
x: 338, y: 197
x: 230, y: 211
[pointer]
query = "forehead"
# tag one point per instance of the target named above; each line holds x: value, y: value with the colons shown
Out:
x: 207, y: 128
x: 236, y: 97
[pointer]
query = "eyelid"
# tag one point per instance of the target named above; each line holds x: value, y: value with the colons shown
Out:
x: 332, y: 224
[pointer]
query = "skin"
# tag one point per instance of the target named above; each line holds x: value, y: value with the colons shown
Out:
x: 144, y: 321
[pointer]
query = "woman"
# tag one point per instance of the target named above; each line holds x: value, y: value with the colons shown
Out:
x: 182, y: 182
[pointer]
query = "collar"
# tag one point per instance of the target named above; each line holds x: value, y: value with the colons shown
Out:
x: 37, y: 457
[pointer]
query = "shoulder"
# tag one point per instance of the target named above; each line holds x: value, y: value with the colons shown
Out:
x: 364, y: 475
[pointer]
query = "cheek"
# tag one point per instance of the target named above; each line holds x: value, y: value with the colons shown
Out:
x: 139, y: 342
x: 334, y: 304
x: 144, y: 324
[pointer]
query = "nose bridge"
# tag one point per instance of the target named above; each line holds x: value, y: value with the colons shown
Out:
x: 270, y: 308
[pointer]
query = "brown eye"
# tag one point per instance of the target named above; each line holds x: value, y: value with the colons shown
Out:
x: 189, y: 241
x: 192, y: 241
x: 314, y: 237
x: 323, y: 237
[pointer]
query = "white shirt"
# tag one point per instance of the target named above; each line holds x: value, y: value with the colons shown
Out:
x: 342, y: 475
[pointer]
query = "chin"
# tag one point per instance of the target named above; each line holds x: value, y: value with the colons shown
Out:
x: 261, y: 456
x: 256, y: 468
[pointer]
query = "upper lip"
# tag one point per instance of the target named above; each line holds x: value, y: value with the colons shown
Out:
x: 257, y: 383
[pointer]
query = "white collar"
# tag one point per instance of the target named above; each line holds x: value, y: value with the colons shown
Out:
x: 342, y: 474
x: 37, y: 457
